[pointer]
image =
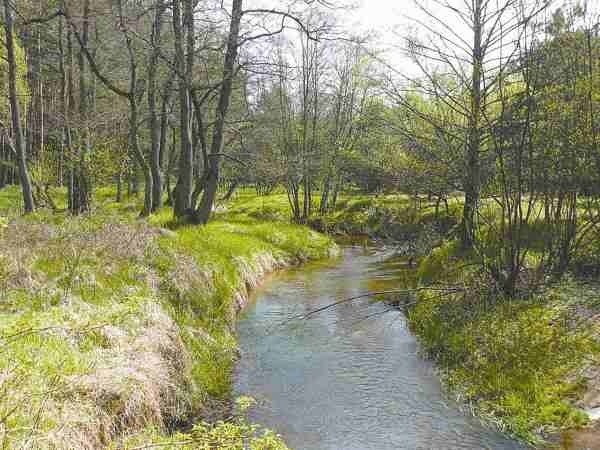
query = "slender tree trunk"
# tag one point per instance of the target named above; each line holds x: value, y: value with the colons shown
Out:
x: 19, y: 142
x: 66, y: 94
x: 163, y: 152
x: 35, y: 112
x: 232, y: 187
x: 212, y: 182
x: 80, y: 195
x: 155, y: 136
x: 324, y: 207
x: 119, y: 183
x: 471, y: 181
x: 4, y: 161
x: 336, y: 190
x: 144, y: 166
x: 170, y: 163
x: 183, y: 188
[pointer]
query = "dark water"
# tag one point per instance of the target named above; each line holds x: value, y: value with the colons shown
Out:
x: 351, y: 377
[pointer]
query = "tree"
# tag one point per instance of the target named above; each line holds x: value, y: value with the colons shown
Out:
x: 17, y: 143
x: 157, y: 125
x: 216, y: 150
x: 476, y: 55
x: 132, y: 94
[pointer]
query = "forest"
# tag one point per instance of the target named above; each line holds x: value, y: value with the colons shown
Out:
x: 160, y: 160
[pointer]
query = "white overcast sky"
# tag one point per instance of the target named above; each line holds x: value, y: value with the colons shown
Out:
x: 385, y: 20
x: 390, y: 21
x: 381, y: 14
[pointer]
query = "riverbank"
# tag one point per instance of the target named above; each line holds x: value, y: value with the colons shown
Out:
x: 116, y: 331
x: 397, y: 218
x: 528, y: 367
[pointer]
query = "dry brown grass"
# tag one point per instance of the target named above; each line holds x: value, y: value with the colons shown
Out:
x: 137, y: 367
x: 97, y: 335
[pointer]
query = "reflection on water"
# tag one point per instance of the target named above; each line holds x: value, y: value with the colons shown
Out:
x: 351, y: 377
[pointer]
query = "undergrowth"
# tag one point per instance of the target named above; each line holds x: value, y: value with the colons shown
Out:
x: 514, y: 360
x: 387, y: 216
x: 111, y: 325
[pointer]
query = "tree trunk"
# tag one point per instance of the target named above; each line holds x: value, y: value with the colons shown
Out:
x: 232, y: 187
x: 119, y: 183
x: 35, y: 112
x: 324, y: 207
x: 80, y: 195
x: 155, y: 130
x: 163, y: 151
x: 471, y: 181
x: 183, y: 188
x: 19, y: 142
x: 210, y: 191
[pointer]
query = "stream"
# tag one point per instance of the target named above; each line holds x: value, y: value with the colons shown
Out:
x: 350, y: 377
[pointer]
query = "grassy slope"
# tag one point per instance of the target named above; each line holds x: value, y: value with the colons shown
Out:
x: 514, y: 361
x: 110, y: 326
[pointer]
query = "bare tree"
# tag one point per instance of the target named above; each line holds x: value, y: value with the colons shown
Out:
x: 476, y: 54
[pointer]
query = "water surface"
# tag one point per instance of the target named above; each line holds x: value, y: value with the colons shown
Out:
x: 351, y: 377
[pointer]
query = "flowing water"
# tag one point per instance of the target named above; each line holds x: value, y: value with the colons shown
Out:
x: 351, y: 377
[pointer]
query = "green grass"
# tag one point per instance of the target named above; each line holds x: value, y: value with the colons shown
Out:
x: 385, y: 216
x: 516, y: 360
x: 78, y: 294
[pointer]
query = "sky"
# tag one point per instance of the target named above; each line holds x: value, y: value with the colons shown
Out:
x: 394, y: 20
x: 389, y: 22
x: 382, y: 14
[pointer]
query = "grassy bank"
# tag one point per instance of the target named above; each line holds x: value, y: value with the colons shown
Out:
x: 520, y: 363
x: 530, y: 365
x: 114, y: 327
x: 395, y: 217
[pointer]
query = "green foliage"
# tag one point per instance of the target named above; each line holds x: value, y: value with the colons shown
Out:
x: 237, y: 434
x: 82, y: 277
x: 514, y: 359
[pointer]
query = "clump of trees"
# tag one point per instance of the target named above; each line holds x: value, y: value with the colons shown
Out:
x: 507, y: 105
x: 156, y: 89
x: 185, y: 98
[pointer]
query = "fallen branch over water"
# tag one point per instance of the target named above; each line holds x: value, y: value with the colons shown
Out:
x: 308, y: 315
